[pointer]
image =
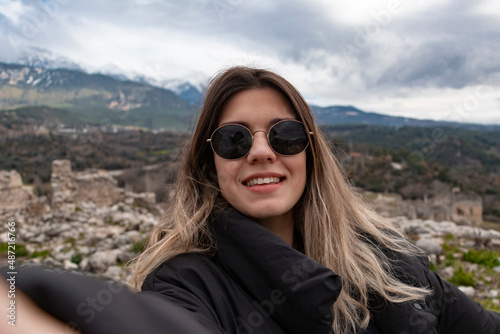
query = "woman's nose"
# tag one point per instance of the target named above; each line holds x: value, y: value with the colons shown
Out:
x: 260, y: 150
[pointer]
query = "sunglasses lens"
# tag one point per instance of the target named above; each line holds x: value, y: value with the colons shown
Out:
x: 231, y: 141
x: 288, y: 137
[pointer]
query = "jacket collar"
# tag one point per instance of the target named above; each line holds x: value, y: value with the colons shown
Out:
x: 302, y: 290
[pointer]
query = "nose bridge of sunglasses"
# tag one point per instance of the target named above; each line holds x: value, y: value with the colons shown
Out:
x: 260, y: 130
x: 264, y: 137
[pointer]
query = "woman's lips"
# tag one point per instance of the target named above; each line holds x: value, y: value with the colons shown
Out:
x: 258, y: 181
x: 265, y: 187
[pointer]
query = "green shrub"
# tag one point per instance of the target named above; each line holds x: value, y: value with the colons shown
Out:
x: 76, y: 258
x: 487, y: 258
x: 43, y: 254
x: 20, y: 249
x: 449, y: 237
x: 461, y: 277
x: 449, y: 259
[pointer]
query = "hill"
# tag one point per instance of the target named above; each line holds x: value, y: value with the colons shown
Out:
x: 75, y: 97
x: 342, y: 115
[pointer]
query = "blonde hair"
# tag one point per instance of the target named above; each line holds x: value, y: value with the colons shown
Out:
x: 330, y: 216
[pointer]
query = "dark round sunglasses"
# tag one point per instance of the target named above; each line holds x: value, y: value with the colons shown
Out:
x: 233, y: 141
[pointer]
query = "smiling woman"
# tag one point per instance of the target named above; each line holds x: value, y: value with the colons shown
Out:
x: 265, y: 235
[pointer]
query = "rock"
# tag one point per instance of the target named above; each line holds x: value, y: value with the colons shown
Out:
x: 431, y: 245
x: 445, y: 205
x: 39, y: 239
x: 129, y: 237
x: 51, y: 262
x: 468, y: 243
x: 447, y: 273
x: 84, y: 250
x: 124, y: 256
x: 114, y: 272
x: 93, y: 219
x: 57, y: 230
x: 100, y: 261
x: 432, y: 258
x: 472, y: 267
x: 62, y: 183
x: 38, y: 206
x: 61, y: 256
x: 84, y: 264
x: 68, y: 265
x: 468, y: 290
x: 13, y: 195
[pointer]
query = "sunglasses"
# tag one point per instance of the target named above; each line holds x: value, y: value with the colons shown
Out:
x: 233, y: 141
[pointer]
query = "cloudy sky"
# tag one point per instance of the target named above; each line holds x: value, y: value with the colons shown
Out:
x: 436, y: 59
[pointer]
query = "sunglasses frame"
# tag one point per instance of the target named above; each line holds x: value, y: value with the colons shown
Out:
x: 209, y: 140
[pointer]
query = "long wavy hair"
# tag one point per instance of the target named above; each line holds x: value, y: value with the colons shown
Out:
x: 330, y: 216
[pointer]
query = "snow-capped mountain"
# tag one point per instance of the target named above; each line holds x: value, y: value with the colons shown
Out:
x: 186, y: 90
x: 42, y: 58
x: 91, y: 98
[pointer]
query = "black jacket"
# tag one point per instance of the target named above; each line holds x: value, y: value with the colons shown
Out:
x: 256, y: 283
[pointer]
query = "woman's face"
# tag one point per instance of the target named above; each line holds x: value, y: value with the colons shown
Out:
x: 259, y: 109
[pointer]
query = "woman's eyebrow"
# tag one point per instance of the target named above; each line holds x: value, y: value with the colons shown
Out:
x: 271, y: 122
x: 245, y: 124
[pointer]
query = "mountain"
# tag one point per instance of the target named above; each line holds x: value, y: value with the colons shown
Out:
x: 345, y: 115
x: 91, y: 98
x: 43, y: 58
x: 189, y: 92
x: 71, y: 96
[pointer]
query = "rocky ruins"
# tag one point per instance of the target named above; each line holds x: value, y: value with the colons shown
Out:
x: 92, y: 225
x: 447, y: 206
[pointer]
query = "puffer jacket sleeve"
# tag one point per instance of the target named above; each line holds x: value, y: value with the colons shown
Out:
x: 91, y: 305
x: 184, y: 282
x: 457, y: 313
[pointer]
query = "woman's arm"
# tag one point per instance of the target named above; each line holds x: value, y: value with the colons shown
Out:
x: 93, y: 306
x: 457, y: 313
x: 23, y: 316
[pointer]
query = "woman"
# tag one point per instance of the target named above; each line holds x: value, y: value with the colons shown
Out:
x: 265, y: 235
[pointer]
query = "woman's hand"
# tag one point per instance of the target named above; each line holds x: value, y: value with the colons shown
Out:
x: 25, y: 315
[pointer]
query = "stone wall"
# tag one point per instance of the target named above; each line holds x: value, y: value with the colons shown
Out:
x: 13, y: 195
x: 468, y: 210
x: 90, y: 224
x: 461, y: 209
x: 95, y: 186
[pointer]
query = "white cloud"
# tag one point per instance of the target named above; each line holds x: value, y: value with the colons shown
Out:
x: 417, y: 61
x: 13, y: 10
x: 488, y: 8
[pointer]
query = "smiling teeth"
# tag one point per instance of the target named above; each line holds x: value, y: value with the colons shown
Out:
x: 266, y: 180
